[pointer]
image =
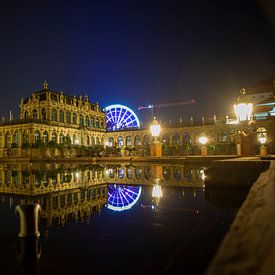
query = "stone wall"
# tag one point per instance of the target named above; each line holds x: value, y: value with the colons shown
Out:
x: 249, y: 246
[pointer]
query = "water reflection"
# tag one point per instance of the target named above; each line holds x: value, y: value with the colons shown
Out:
x: 121, y: 197
x: 48, y: 197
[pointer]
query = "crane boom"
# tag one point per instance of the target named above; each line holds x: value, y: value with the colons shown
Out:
x: 161, y: 105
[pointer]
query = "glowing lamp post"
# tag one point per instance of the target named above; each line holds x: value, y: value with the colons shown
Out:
x: 156, y: 146
x: 263, y: 148
x: 243, y: 110
x: 203, y: 140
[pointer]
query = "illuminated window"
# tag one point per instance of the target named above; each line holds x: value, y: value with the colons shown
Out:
x: 34, y: 113
x: 68, y: 117
x: 74, y: 118
x: 54, y: 115
x: 61, y: 116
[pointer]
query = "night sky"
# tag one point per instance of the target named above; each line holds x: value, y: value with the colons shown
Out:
x: 137, y: 52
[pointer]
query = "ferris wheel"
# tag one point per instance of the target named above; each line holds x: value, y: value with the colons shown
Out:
x: 119, y: 117
x: 122, y: 197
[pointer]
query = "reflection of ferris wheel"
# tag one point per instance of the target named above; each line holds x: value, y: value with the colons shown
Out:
x: 121, y: 197
x: 120, y: 117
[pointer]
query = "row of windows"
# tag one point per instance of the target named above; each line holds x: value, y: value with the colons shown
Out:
x: 67, y: 117
x: 165, y: 139
x: 62, y: 139
x: 177, y: 173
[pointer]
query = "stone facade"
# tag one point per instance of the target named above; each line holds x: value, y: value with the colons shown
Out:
x: 50, y: 116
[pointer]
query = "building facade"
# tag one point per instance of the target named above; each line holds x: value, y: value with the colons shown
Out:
x: 48, y: 118
x: 53, y: 124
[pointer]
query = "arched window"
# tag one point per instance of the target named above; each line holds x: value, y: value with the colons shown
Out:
x: 61, y: 138
x: 166, y: 139
x: 92, y: 122
x: 36, y: 136
x: 8, y: 139
x: 54, y: 115
x: 93, y: 140
x: 75, y: 140
x: 111, y: 141
x: 120, y: 173
x: 15, y: 138
x: 81, y: 121
x: 176, y: 139
x: 97, y: 141
x: 34, y: 113
x: 61, y: 116
x: 186, y: 137
x: 138, y: 173
x: 68, y: 140
x: 97, y: 123
x: 74, y: 118
x: 25, y: 137
x: 44, y: 114
x: 54, y: 137
x: 128, y: 141
x: 120, y: 141
x: 26, y: 115
x: 166, y: 173
x: 101, y: 123
x: 87, y: 121
x: 177, y: 173
x: 146, y: 140
x: 137, y: 141
x: 129, y: 173
x: 1, y: 140
x: 88, y: 141
x: 45, y: 137
x: 82, y: 140
x: 68, y: 117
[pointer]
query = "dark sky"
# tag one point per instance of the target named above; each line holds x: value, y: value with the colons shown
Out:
x: 137, y: 52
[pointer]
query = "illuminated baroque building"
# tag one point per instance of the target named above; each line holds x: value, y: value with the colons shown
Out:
x: 53, y: 124
x: 52, y: 117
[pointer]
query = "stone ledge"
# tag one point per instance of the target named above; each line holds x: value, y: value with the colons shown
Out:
x: 249, y: 246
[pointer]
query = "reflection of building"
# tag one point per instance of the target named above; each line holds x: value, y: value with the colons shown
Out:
x: 170, y: 175
x: 62, y: 195
x: 50, y: 116
x: 23, y: 179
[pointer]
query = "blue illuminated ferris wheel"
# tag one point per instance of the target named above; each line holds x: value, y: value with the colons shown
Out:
x: 119, y: 117
x: 121, y: 197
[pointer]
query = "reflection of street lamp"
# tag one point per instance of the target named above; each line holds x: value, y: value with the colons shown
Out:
x: 263, y: 148
x: 157, y: 192
x: 156, y: 146
x: 203, y: 140
x: 156, y: 195
x: 243, y: 110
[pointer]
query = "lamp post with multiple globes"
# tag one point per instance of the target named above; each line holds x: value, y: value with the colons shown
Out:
x: 243, y: 110
x: 156, y: 146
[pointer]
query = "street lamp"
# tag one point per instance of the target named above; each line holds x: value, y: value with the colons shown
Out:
x: 156, y: 146
x: 263, y: 148
x: 243, y: 110
x: 203, y: 140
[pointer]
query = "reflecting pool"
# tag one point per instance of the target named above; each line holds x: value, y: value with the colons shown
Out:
x: 76, y: 218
